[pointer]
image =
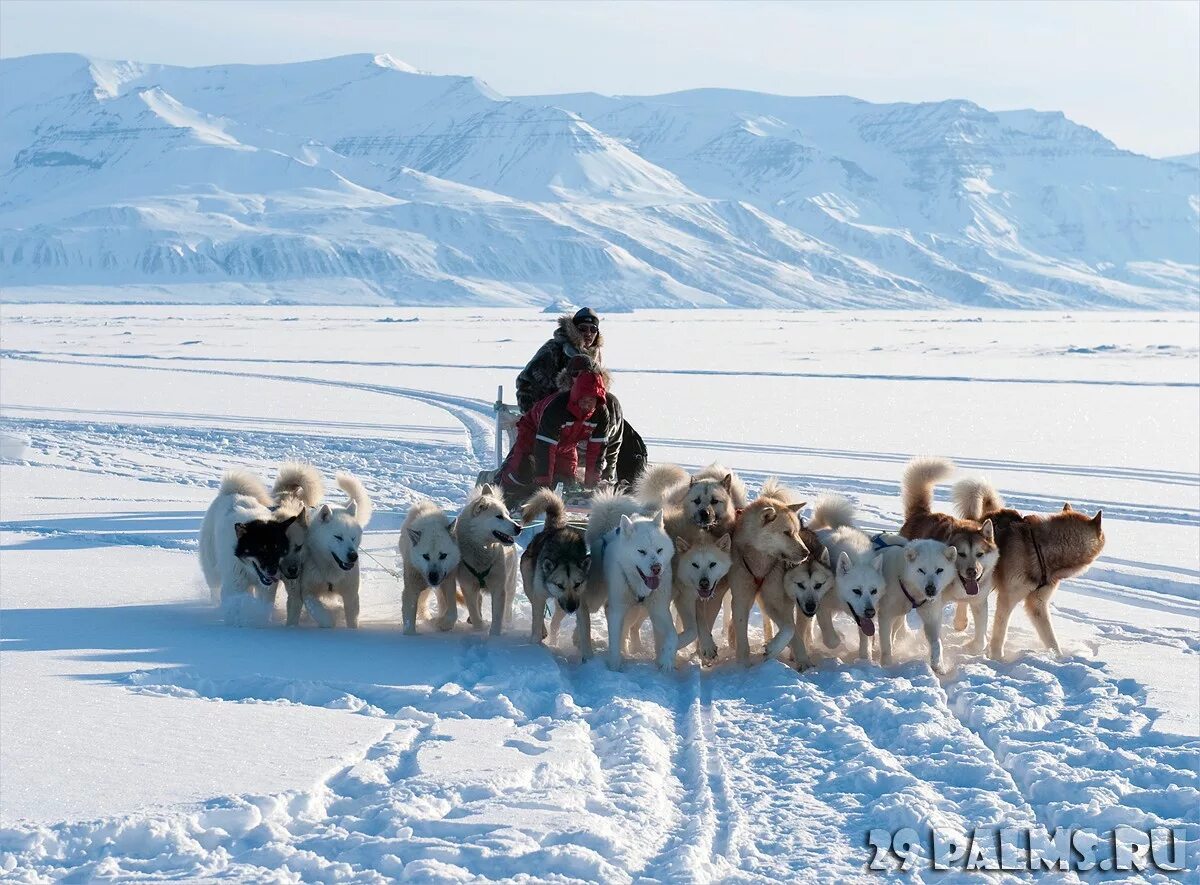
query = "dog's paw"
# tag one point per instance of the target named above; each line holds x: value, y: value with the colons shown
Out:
x: 975, y: 648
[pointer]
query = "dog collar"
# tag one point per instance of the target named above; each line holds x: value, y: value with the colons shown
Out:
x: 481, y: 577
x: 908, y: 596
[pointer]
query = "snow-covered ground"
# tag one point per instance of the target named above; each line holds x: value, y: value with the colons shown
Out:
x: 141, y: 738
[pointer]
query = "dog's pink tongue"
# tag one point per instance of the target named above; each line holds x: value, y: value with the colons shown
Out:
x: 971, y: 585
x: 651, y: 581
x: 866, y: 625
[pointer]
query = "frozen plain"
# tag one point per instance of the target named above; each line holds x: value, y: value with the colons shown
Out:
x: 140, y: 738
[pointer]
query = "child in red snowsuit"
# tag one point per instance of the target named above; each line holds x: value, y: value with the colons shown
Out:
x: 548, y: 437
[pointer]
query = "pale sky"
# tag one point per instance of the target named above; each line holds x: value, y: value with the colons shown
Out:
x: 1128, y: 69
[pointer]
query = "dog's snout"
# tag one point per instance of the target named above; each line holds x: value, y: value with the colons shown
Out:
x: 656, y: 569
x: 869, y: 613
x: 570, y: 605
x: 705, y: 583
x: 931, y: 589
x: 810, y: 609
x: 352, y: 556
x: 434, y: 578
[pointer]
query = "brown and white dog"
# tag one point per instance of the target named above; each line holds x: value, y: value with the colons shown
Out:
x: 767, y: 533
x: 974, y: 540
x: 1036, y: 553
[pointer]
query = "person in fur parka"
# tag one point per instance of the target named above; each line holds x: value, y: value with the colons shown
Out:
x: 575, y: 336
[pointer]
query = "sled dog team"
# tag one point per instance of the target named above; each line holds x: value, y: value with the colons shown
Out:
x: 677, y: 551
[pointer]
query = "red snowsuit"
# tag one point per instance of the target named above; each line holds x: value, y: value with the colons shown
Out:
x: 551, y: 432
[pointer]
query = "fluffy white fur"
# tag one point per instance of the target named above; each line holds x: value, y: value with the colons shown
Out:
x: 245, y: 597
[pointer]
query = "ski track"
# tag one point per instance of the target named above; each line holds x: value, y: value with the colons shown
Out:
x: 724, y: 373
x: 758, y: 775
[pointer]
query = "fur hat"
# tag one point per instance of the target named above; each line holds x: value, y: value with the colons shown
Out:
x: 584, y: 316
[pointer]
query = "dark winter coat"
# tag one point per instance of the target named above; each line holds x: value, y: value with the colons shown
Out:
x: 537, y: 379
x: 548, y: 437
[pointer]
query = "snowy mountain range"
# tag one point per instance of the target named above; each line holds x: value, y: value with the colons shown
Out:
x: 360, y: 179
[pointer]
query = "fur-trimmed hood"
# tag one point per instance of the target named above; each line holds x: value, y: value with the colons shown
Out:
x: 563, y: 380
x: 568, y: 334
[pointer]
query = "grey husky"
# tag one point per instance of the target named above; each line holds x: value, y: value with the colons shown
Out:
x: 555, y: 566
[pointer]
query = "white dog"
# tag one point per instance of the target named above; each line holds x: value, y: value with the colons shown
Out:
x: 330, y: 566
x: 487, y: 562
x: 857, y: 574
x: 917, y: 575
x: 633, y: 555
x: 241, y: 544
x: 430, y: 553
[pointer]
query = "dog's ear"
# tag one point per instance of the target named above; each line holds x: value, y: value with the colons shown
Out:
x: 682, y: 545
x: 547, y: 566
x: 1067, y: 507
x: 824, y: 557
x: 796, y: 508
x: 910, y: 553
x: 414, y: 536
x: 486, y: 490
x: 352, y: 508
x: 877, y: 563
x: 950, y: 552
x: 587, y: 563
x: 724, y: 542
x: 789, y: 564
x: 691, y: 481
x: 1096, y: 519
x: 286, y: 524
x: 325, y: 513
x: 240, y: 529
x: 658, y: 519
x: 768, y: 514
x: 451, y: 524
x: 304, y: 517
x: 988, y: 531
x: 727, y: 482
x: 844, y: 565
x: 625, y: 527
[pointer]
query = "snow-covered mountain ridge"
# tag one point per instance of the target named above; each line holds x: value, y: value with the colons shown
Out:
x: 361, y: 179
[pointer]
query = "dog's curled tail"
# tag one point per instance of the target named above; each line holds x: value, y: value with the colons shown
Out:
x: 243, y: 482
x: 660, y: 483
x: 607, y: 509
x: 358, y: 497
x: 773, y: 488
x: 544, y: 501
x: 299, y: 480
x: 920, y: 476
x: 975, y: 497
x: 832, y: 512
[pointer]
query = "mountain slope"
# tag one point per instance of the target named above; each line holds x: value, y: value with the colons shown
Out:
x: 359, y: 178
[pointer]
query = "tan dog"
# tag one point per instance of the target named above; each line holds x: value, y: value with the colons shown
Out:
x: 699, y: 569
x: 974, y: 540
x: 766, y: 534
x: 706, y: 502
x: 1036, y: 553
